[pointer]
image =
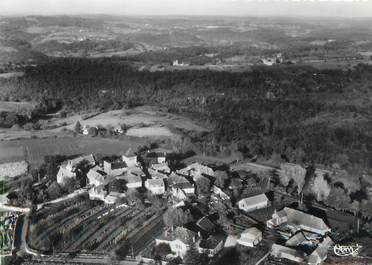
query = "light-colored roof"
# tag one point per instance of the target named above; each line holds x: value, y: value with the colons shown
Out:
x: 303, y: 219
x: 255, y: 199
x: 322, y: 249
x: 129, y: 178
x: 155, y: 182
x: 97, y: 174
x: 276, y: 248
x: 251, y: 233
x: 64, y: 172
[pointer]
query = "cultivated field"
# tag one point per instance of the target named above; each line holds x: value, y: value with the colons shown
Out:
x: 92, y: 227
x: 34, y: 150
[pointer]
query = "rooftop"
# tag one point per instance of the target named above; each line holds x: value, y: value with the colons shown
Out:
x: 255, y: 199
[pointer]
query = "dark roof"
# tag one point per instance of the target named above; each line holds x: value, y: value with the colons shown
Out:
x: 206, y: 224
x: 118, y: 165
x: 211, y: 242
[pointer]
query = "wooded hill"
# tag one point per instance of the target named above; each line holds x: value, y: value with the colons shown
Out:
x: 299, y: 113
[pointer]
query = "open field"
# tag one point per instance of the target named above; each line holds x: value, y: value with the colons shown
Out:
x: 34, y: 150
x: 11, y: 106
x: 147, y: 115
x: 146, y: 121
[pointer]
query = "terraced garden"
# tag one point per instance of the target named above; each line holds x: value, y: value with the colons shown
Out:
x: 81, y: 225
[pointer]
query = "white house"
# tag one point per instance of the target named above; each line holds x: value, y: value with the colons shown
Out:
x: 162, y: 168
x: 283, y: 252
x: 96, y: 177
x: 130, y: 158
x: 253, y: 203
x: 156, y: 186
x: 180, y: 183
x: 178, y: 240
x: 132, y: 181
x: 196, y: 170
x: 115, y: 168
x: 250, y: 237
x: 97, y: 193
x: 64, y: 174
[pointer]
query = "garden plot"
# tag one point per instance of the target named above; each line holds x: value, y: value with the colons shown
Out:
x: 91, y: 227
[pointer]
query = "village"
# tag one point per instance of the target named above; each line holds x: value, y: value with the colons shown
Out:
x: 157, y: 206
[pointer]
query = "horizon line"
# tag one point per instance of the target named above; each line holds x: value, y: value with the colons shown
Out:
x: 180, y: 15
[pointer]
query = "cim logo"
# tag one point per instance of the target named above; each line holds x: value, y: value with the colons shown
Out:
x: 346, y: 250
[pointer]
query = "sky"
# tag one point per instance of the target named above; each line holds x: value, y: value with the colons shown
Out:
x: 297, y: 8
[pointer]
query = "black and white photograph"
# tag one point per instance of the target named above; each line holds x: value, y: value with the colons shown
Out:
x: 185, y: 132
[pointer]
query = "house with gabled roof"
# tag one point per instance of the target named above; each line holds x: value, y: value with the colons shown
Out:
x: 116, y: 168
x: 162, y: 168
x: 283, y: 252
x: 250, y: 237
x: 156, y: 186
x: 96, y: 177
x: 211, y: 245
x: 320, y: 253
x: 196, y: 171
x: 253, y: 203
x: 64, y: 175
x: 298, y: 220
x: 178, y: 183
x: 132, y: 181
x: 178, y: 239
x: 206, y: 224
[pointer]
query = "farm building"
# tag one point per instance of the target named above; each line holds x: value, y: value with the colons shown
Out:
x: 156, y: 186
x: 283, y: 252
x: 298, y: 220
x: 253, y: 203
x: 320, y: 253
x: 196, y: 170
x: 64, y: 175
x: 115, y: 168
x: 250, y: 237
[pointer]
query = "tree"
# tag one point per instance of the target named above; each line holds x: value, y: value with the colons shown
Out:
x: 93, y: 131
x: 338, y: 198
x: 203, y: 185
x: 176, y: 217
x: 193, y: 257
x: 77, y: 127
x: 321, y: 188
x: 221, y: 178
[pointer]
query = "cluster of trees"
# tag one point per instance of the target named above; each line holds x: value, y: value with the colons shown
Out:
x: 287, y: 123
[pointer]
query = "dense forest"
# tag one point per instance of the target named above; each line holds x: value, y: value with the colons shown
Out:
x: 300, y: 114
